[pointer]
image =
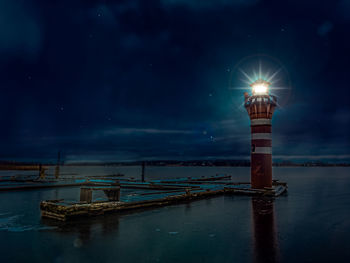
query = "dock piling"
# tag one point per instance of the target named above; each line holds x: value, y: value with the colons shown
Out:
x: 143, y: 172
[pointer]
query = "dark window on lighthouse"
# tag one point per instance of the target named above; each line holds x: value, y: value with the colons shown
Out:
x: 253, y: 147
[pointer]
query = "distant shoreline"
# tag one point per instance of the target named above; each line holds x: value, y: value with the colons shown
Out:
x: 27, y: 166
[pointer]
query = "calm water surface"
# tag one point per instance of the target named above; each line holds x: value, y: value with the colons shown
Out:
x: 309, y: 224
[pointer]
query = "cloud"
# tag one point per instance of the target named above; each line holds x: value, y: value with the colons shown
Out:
x: 343, y: 9
x: 20, y: 31
x: 313, y: 157
x: 325, y: 28
x: 206, y: 4
x: 145, y: 131
x: 342, y: 117
x: 103, y: 14
x: 120, y: 156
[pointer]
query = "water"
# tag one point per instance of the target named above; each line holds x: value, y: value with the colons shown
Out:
x: 310, y: 224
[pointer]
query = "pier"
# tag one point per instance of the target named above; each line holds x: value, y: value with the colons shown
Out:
x: 154, y: 194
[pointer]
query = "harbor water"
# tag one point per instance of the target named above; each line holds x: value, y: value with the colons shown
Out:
x: 311, y: 223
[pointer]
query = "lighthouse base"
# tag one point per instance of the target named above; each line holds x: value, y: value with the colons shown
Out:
x: 261, y: 171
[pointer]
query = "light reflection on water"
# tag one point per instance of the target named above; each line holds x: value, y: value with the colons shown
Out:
x: 264, y: 230
x: 311, y: 223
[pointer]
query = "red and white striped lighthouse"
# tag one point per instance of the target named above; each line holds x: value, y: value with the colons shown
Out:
x: 260, y: 107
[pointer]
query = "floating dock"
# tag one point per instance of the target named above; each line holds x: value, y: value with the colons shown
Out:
x: 154, y: 193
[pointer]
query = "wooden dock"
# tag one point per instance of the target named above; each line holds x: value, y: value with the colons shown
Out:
x: 155, y: 193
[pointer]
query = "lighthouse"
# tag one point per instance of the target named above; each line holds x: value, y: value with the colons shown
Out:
x: 260, y: 107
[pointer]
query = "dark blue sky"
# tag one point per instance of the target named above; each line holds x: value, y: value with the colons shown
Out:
x: 131, y: 80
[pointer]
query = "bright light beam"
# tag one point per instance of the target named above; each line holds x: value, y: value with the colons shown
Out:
x: 246, y: 75
x: 274, y: 74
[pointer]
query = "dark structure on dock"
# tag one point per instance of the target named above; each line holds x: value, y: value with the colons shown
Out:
x: 260, y: 107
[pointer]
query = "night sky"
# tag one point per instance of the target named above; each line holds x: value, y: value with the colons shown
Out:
x: 145, y: 80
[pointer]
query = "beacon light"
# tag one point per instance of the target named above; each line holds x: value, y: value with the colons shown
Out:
x: 260, y: 87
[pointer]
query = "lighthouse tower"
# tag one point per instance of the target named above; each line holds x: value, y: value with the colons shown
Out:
x: 260, y: 107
